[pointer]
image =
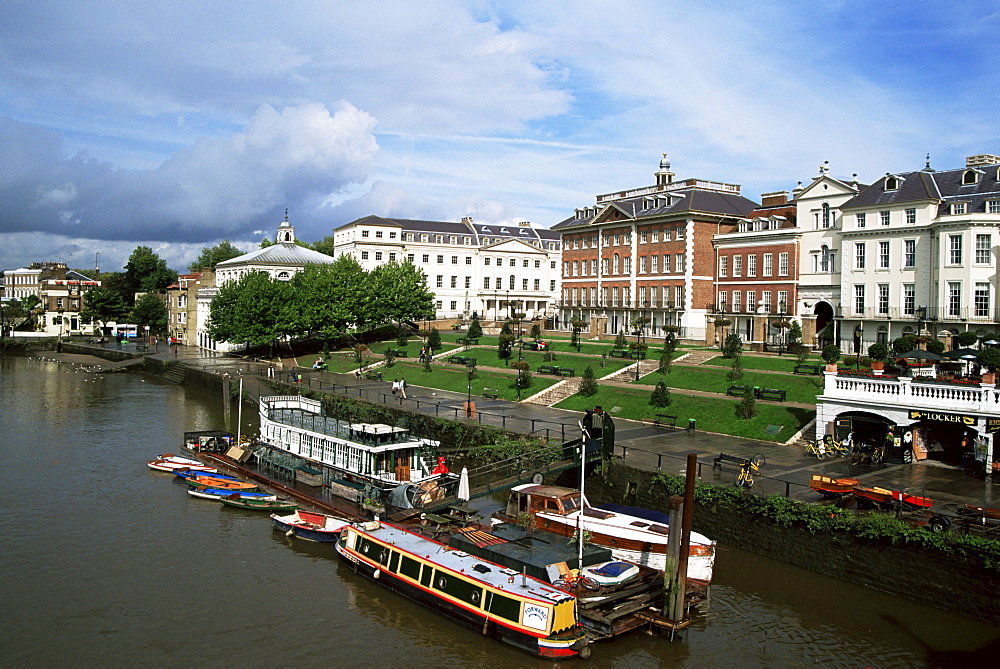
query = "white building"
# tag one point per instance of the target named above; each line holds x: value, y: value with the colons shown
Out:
x: 282, y: 260
x: 472, y: 268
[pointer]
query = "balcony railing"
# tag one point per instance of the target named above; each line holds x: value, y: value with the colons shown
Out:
x: 907, y: 393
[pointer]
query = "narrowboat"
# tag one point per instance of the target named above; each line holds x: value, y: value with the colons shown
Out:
x: 501, y: 603
x: 560, y: 510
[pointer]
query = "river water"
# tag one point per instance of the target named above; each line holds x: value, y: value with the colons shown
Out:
x: 107, y: 563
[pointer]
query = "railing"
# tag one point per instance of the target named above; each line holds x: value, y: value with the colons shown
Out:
x: 907, y: 392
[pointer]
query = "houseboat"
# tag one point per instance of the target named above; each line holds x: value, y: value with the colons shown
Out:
x: 501, y: 603
x: 560, y: 510
x: 379, y: 455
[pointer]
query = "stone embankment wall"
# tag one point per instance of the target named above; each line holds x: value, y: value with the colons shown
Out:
x: 930, y: 577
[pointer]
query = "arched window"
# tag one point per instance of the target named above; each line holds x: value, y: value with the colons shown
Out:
x: 510, y: 285
x: 615, y: 264
x: 826, y: 215
x: 824, y: 260
x: 882, y: 336
x: 970, y: 177
x: 891, y: 183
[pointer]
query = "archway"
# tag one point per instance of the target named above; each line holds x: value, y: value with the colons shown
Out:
x: 824, y: 317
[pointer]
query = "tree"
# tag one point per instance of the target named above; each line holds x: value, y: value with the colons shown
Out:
x: 967, y: 338
x: 398, y: 292
x: 935, y: 346
x: 669, y: 346
x: 324, y: 245
x: 145, y: 272
x: 103, y: 305
x: 588, y: 384
x: 536, y: 331
x: 578, y: 325
x: 434, y: 339
x: 330, y: 299
x: 255, y: 310
x: 904, y: 344
x: 505, y: 346
x: 735, y: 373
x: 831, y: 354
x: 989, y: 358
x: 878, y: 352
x: 150, y: 310
x: 795, y: 337
x: 747, y: 408
x: 733, y: 345
x: 523, y: 368
x: 620, y: 340
x: 475, y: 329
x: 660, y: 396
x: 212, y: 255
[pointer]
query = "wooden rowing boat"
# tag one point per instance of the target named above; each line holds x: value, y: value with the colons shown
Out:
x: 831, y: 487
x: 238, y: 501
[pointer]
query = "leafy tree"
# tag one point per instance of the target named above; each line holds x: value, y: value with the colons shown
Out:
x: 536, y: 331
x: 669, y: 346
x: 390, y: 356
x: 330, y: 300
x: 402, y: 339
x: 831, y: 354
x: 795, y: 337
x: 145, y: 272
x: 505, y: 346
x: 253, y: 310
x: 736, y: 371
x: 524, y: 379
x: 733, y: 346
x: 475, y: 329
x: 212, y: 255
x: 747, y: 408
x: 660, y: 396
x: 434, y: 339
x: 904, y: 344
x: 578, y: 326
x: 935, y: 346
x: 967, y: 338
x: 878, y: 351
x: 620, y: 339
x: 150, y: 310
x: 506, y: 329
x: 103, y: 305
x: 990, y: 358
x: 398, y: 292
x: 588, y: 384
x: 324, y: 245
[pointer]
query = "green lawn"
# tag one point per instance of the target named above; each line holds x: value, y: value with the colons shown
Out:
x: 712, y: 415
x: 487, y: 357
x: 452, y: 377
x: 778, y: 364
x: 713, y: 380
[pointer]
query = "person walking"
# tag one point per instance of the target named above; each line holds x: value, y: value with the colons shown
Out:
x: 402, y: 388
x: 395, y: 386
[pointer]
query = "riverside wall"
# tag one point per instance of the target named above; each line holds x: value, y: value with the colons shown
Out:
x: 942, y: 580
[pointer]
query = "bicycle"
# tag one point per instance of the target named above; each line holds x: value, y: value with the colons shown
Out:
x: 818, y: 449
x: 744, y: 479
x: 868, y: 454
x: 838, y: 449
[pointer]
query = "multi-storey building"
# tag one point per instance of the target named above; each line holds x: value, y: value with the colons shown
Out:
x: 60, y: 293
x: 920, y: 252
x: 647, y: 253
x: 756, y: 275
x: 281, y: 261
x: 480, y: 269
x: 182, y: 305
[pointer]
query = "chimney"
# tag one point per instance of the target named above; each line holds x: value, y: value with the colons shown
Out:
x: 774, y: 199
x: 981, y: 160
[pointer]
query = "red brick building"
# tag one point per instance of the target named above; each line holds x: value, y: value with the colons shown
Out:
x: 647, y: 252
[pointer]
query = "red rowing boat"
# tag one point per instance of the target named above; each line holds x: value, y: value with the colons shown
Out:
x: 831, y: 487
x: 912, y: 501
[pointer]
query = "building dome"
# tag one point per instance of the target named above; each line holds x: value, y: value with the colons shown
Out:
x: 664, y: 162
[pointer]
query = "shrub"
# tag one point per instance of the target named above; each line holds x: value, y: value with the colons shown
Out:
x: 747, y: 408
x: 733, y: 345
x: 588, y: 384
x: 831, y: 354
x: 620, y: 340
x: 989, y: 357
x: 935, y: 346
x: 878, y: 351
x: 904, y: 344
x: 660, y: 396
x: 475, y: 329
x: 967, y: 338
x: 434, y: 339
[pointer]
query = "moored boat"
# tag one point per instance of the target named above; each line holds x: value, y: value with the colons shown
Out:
x: 872, y: 496
x: 168, y: 462
x: 310, y: 526
x: 912, y: 502
x: 206, y: 492
x: 832, y: 487
x: 498, y: 602
x: 199, y: 481
x: 187, y: 472
x: 632, y: 538
x: 238, y: 501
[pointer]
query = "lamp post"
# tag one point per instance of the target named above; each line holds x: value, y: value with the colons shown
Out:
x: 470, y: 369
x: 921, y: 314
x: 781, y: 319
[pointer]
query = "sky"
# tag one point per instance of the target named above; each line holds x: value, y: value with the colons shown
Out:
x: 176, y: 125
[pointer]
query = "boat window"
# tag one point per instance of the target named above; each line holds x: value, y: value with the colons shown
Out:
x: 597, y: 513
x: 426, y: 576
x: 458, y: 587
x: 571, y: 503
x: 410, y: 567
x: 636, y: 523
x: 552, y: 505
x: 393, y: 562
x: 505, y: 607
x: 659, y: 529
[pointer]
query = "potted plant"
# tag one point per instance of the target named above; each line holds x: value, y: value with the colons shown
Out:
x: 830, y: 355
x: 878, y: 352
x: 989, y: 358
x: 722, y: 322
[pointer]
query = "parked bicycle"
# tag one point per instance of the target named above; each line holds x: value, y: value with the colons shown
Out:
x: 868, y: 454
x: 817, y: 448
x: 838, y: 448
x: 744, y: 478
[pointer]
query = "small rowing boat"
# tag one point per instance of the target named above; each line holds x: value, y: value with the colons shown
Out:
x: 168, y: 462
x: 831, y: 487
x: 258, y: 504
x: 232, y: 486
x: 310, y: 526
x: 206, y: 492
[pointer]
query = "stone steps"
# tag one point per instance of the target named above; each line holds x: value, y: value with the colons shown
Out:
x: 175, y: 372
x: 555, y: 393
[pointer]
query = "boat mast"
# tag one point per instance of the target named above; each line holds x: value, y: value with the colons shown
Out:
x: 579, y: 517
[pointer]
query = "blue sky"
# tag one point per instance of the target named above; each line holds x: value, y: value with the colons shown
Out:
x: 178, y: 124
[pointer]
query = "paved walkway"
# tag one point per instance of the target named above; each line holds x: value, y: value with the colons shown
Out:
x: 786, y: 472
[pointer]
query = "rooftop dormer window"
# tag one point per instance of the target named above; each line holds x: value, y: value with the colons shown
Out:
x: 958, y: 208
x: 970, y: 177
x: 891, y: 182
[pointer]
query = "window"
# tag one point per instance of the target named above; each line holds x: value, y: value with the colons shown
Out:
x: 605, y: 264
x: 861, y: 219
x: 783, y: 264
x: 378, y: 255
x: 524, y: 284
x: 524, y: 264
x: 884, y: 217
x: 552, y: 285
x: 737, y: 300
x: 425, y: 258
x: 723, y: 266
x: 486, y: 282
x: 439, y: 304
x: 616, y: 262
x: 438, y: 239
x: 593, y: 268
x: 454, y: 305
x: 410, y: 258
x: 538, y: 284
x: 766, y: 298
x: 655, y: 236
x: 654, y: 263
x: 911, y: 216
x: 955, y: 249
x: 751, y: 301
x: 723, y: 300
x: 910, y: 253
x: 783, y: 301
x: 392, y: 257
x: 954, y: 298
x: 679, y: 233
x: 510, y: 283
x: 883, y: 255
x: 576, y: 267
x: 440, y: 260
x: 909, y: 299
x: 982, y: 300
x: 439, y: 282
x: 883, y: 298
x: 679, y: 297
x: 993, y: 207
x: 454, y: 282
x: 970, y: 177
x: 627, y: 265
x: 859, y: 255
x: 642, y: 264
x: 891, y: 183
x: 468, y: 260
x: 364, y: 233
x: 768, y: 262
x: 958, y: 208
x: 378, y: 234
x: 538, y: 264
x: 364, y: 255
x: 752, y: 264
x: 513, y: 262
x: 859, y: 299
x: 737, y: 265
x: 983, y: 247
x: 825, y: 259
x: 644, y: 235
x: 826, y: 215
x: 423, y: 238
x: 452, y: 240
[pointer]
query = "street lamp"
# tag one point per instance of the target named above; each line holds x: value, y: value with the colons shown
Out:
x: 470, y: 370
x: 781, y: 319
x: 921, y: 313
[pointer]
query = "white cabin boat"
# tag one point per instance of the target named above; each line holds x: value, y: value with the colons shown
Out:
x: 382, y: 455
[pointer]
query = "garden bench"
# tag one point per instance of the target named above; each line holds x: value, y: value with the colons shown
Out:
x: 491, y: 393
x: 806, y: 369
x: 375, y: 375
x: 770, y: 394
x: 567, y: 371
x: 735, y: 459
x: 399, y: 352
x: 469, y: 341
x: 663, y: 419
x: 548, y: 369
x: 737, y: 391
x: 619, y: 353
x: 458, y: 359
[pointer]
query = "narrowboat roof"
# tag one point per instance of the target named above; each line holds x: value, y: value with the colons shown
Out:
x: 471, y: 566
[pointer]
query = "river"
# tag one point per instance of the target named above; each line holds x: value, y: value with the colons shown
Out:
x: 108, y: 563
